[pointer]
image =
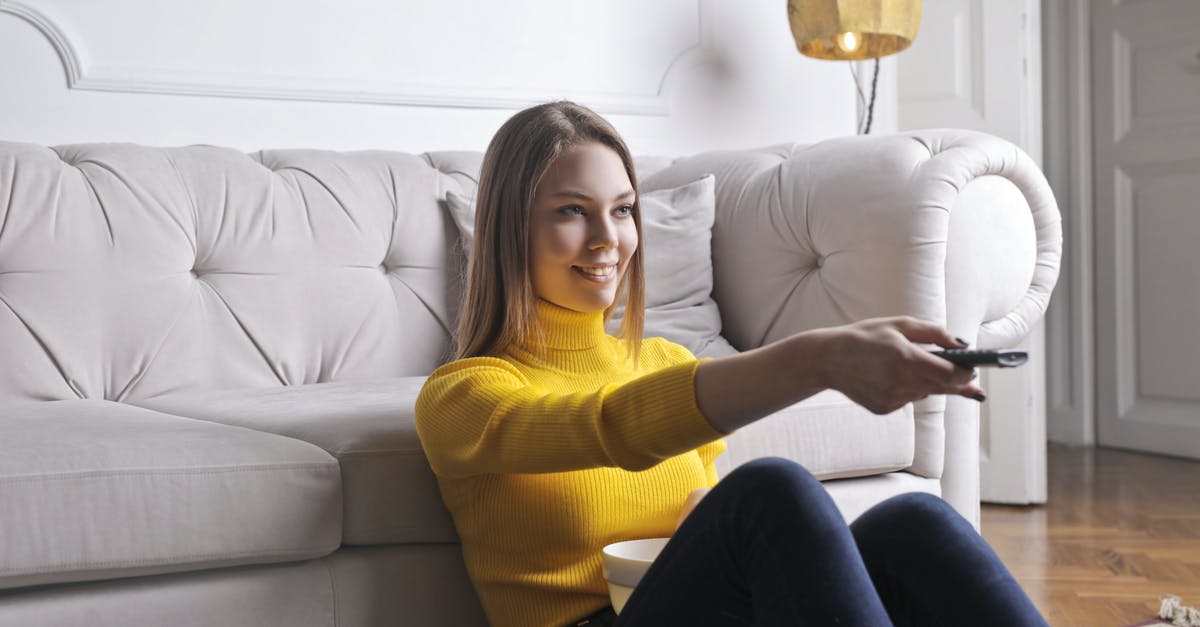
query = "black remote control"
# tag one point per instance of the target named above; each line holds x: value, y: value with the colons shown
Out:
x: 975, y: 358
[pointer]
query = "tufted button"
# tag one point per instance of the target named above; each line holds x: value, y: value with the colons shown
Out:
x: 194, y: 273
x: 383, y: 268
x: 820, y: 261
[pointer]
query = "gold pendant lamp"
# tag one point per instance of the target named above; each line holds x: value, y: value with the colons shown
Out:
x: 853, y: 30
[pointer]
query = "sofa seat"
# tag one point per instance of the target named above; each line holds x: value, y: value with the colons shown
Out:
x: 390, y: 495
x: 390, y: 492
x: 95, y: 489
x: 414, y: 585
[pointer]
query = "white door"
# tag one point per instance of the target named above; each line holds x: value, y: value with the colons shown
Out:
x: 1146, y: 134
x: 977, y: 64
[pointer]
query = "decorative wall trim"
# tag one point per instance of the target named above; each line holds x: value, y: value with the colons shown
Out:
x: 62, y: 45
x: 976, y: 98
x: 85, y: 75
x: 1032, y: 127
x: 1122, y: 53
x: 1125, y: 260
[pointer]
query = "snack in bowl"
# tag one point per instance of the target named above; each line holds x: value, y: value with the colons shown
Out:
x: 624, y: 565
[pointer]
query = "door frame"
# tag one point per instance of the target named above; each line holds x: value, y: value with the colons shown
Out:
x: 1019, y: 475
x: 1070, y: 320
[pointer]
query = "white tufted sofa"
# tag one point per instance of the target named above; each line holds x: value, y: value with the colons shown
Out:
x: 210, y: 358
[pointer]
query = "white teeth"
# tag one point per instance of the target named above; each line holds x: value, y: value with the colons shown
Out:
x: 602, y: 271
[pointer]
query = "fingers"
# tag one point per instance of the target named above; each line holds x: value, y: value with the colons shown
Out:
x: 890, y: 368
x: 961, y: 385
x: 973, y: 393
x: 929, y: 366
x: 937, y: 370
x: 944, y: 377
x: 923, y: 332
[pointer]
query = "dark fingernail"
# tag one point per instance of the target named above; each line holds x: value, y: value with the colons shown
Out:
x: 974, y: 375
x: 980, y: 397
x: 962, y: 341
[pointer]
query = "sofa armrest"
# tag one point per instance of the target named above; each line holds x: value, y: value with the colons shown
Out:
x: 952, y: 226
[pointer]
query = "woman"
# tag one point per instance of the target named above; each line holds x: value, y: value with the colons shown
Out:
x: 551, y: 438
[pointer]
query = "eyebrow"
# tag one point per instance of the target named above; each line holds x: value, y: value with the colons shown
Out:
x: 570, y: 193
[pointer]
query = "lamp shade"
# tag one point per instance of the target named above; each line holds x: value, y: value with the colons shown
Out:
x: 853, y: 30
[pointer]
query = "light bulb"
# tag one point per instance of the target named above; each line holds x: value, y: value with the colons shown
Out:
x: 847, y: 41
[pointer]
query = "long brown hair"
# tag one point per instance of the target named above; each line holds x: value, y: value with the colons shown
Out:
x: 498, y: 307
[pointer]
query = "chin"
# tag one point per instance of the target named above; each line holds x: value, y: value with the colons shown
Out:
x: 595, y: 308
x: 590, y: 306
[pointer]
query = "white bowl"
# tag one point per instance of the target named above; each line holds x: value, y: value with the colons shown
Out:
x: 624, y: 565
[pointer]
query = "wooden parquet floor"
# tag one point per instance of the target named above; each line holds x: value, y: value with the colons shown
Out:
x: 1119, y: 530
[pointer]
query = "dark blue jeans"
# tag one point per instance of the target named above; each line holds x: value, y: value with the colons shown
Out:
x: 768, y: 547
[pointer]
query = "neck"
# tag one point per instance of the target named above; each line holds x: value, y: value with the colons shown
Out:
x: 569, y: 329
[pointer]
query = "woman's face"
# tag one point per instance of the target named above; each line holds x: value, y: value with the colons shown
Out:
x: 582, y: 229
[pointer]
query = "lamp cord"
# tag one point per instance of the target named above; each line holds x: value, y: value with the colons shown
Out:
x: 871, y: 107
x: 862, y: 98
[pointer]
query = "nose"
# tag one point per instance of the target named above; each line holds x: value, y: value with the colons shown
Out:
x: 602, y: 232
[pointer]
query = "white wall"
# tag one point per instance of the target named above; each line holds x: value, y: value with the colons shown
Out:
x: 675, y: 76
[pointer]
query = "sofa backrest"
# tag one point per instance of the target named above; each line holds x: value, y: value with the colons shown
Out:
x: 129, y: 271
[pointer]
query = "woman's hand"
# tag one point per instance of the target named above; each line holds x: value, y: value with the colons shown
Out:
x: 690, y: 504
x: 879, y: 364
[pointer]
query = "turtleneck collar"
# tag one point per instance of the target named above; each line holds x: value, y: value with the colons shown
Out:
x: 567, y: 329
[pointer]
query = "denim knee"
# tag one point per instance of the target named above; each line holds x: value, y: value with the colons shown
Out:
x: 894, y: 519
x: 786, y: 490
x: 773, y: 474
x: 919, y: 509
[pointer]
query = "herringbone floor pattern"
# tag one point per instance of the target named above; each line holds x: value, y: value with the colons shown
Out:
x: 1119, y: 530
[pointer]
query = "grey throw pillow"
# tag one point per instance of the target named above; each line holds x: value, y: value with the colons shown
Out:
x: 677, y: 233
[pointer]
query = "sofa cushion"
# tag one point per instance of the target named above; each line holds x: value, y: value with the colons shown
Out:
x: 97, y: 489
x: 831, y: 436
x: 390, y: 492
x: 679, y: 272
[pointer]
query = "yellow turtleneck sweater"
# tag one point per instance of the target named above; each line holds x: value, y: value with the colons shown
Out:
x: 544, y: 459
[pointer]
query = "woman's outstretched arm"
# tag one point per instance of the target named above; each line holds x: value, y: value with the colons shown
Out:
x: 481, y: 415
x: 877, y: 363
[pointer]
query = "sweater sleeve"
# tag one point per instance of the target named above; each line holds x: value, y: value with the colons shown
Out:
x: 481, y: 415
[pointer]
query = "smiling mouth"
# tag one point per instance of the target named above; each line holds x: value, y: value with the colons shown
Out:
x: 597, y: 273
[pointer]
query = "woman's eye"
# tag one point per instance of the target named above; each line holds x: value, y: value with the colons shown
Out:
x: 571, y: 210
x: 625, y: 210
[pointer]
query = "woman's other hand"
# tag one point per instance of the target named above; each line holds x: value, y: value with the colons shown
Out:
x: 879, y: 363
x: 690, y: 504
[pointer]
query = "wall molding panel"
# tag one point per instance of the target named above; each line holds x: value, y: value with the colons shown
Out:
x: 633, y: 88
x: 676, y: 77
x: 62, y: 45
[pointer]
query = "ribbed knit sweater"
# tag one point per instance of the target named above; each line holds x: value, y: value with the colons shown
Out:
x: 543, y: 459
